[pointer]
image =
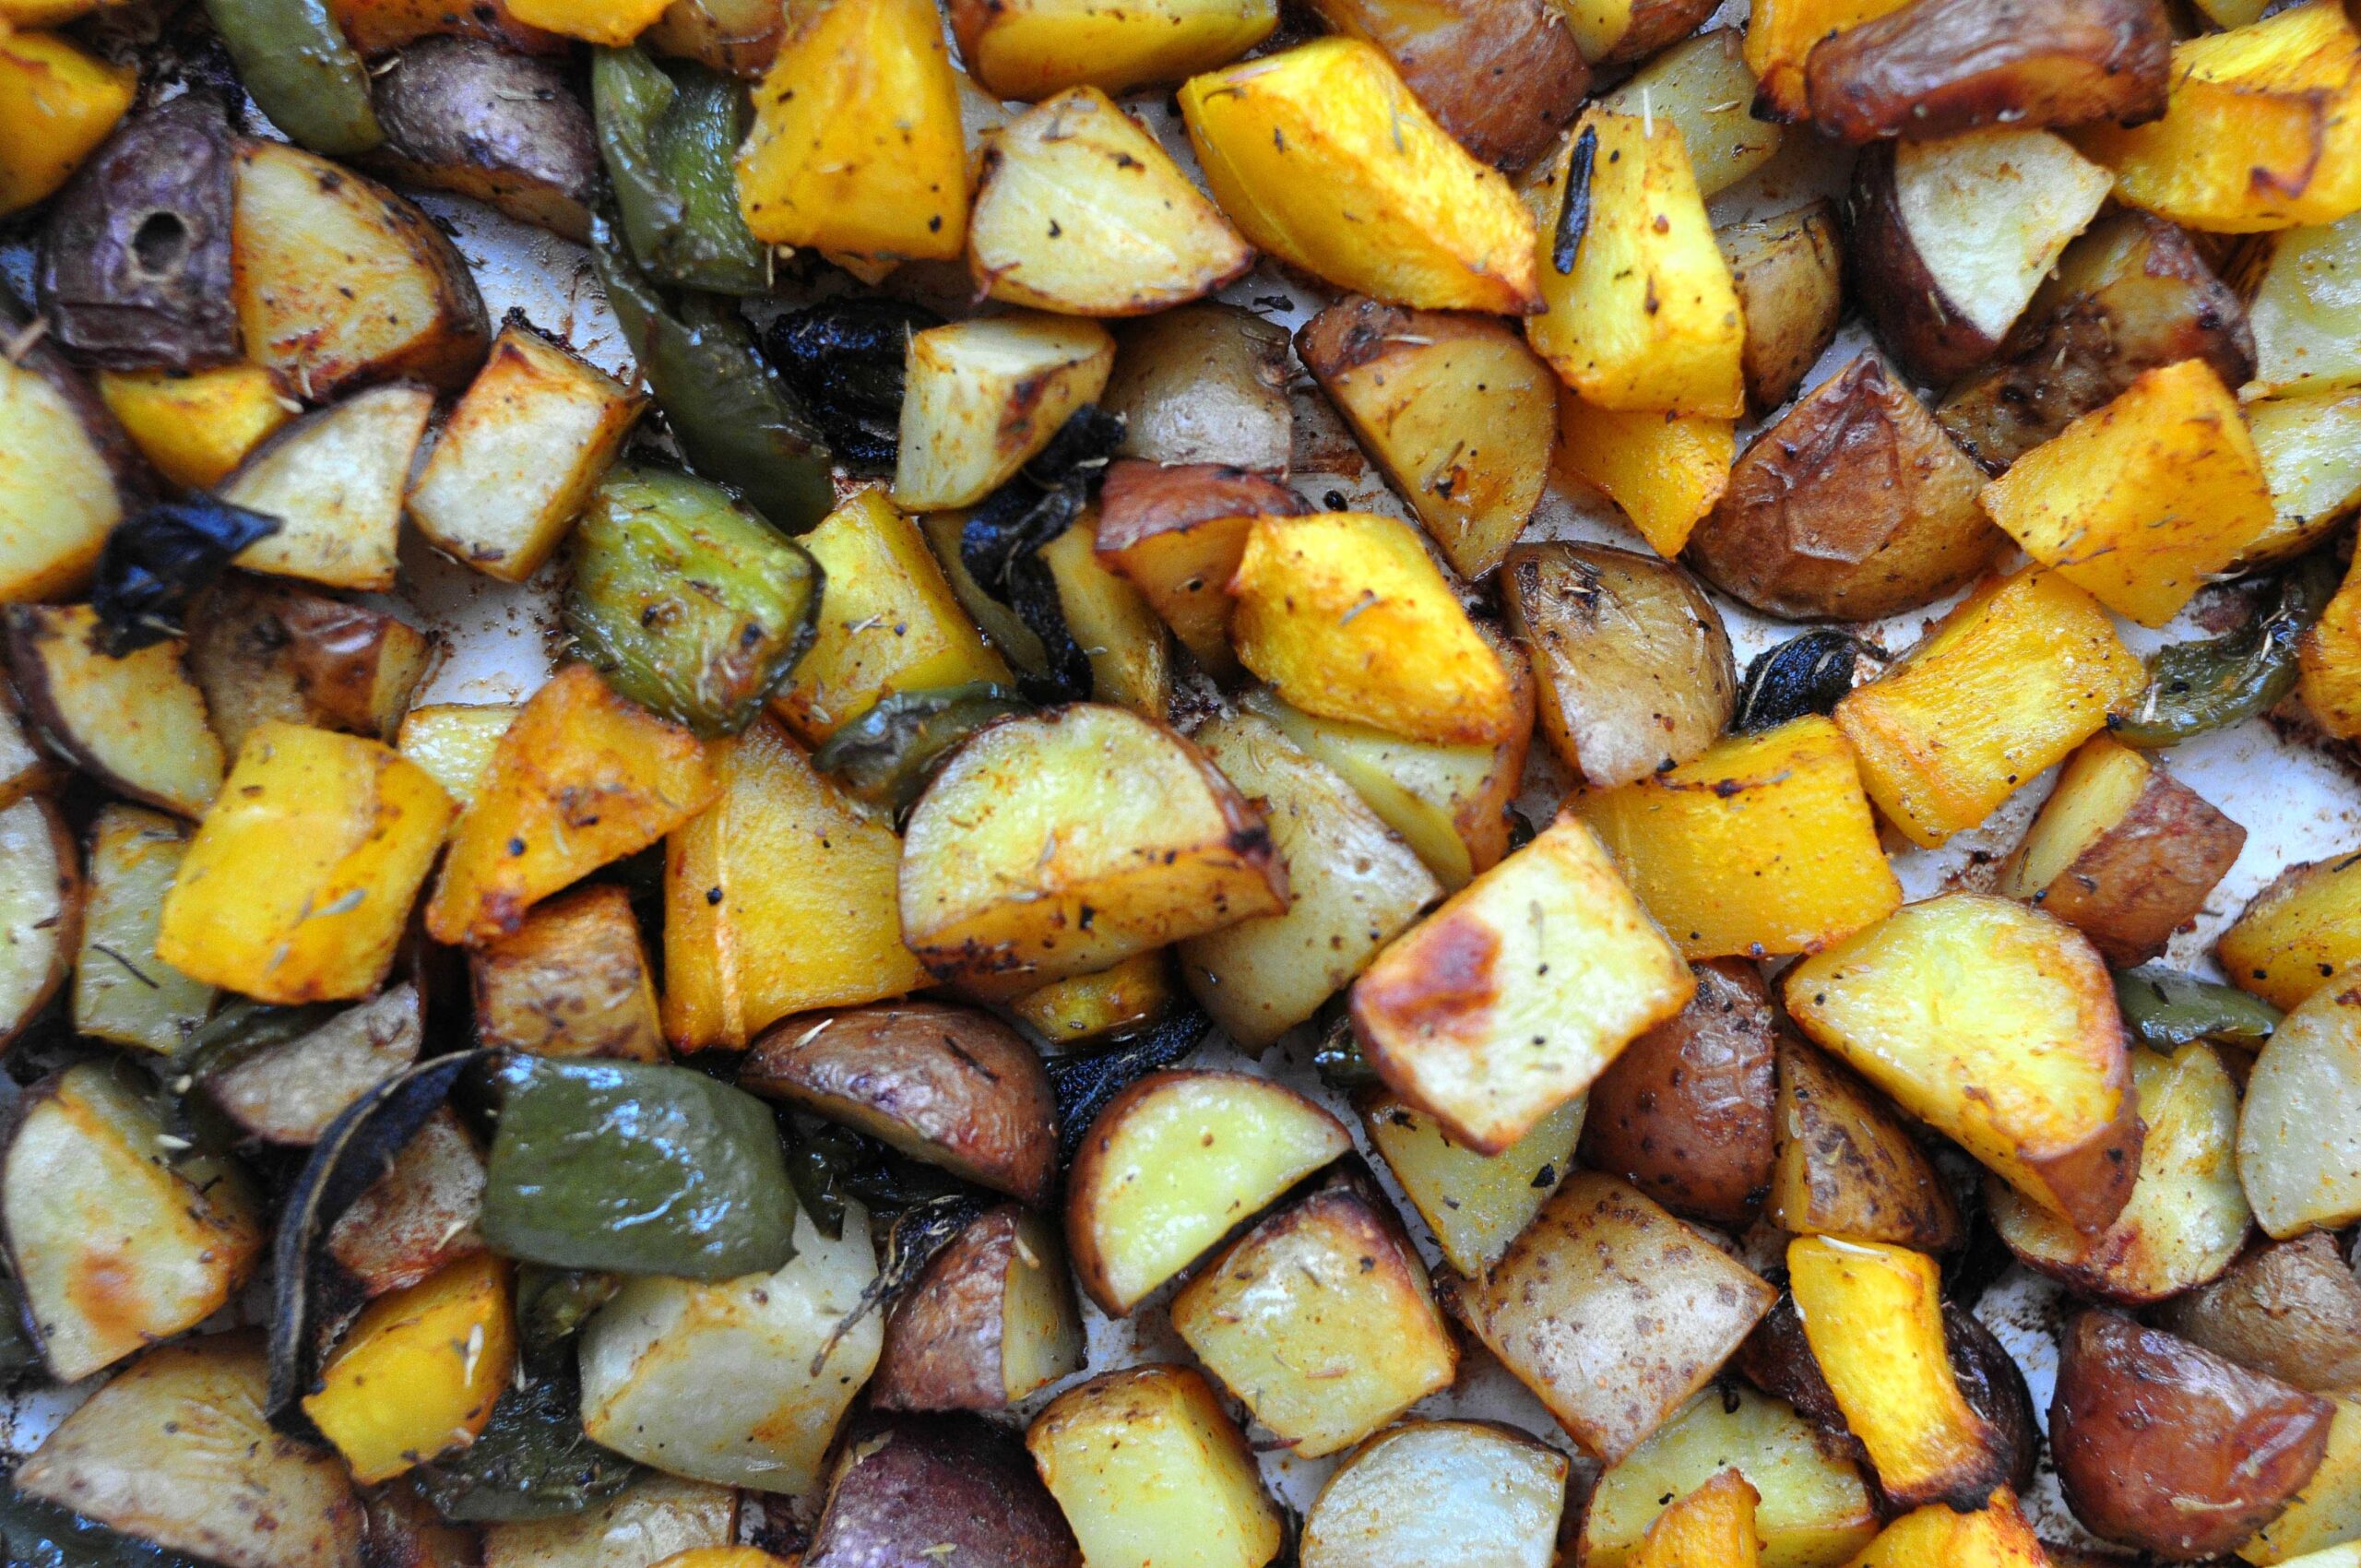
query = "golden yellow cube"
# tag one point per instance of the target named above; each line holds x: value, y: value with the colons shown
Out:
x: 418, y: 1371
x: 1666, y: 471
x: 2298, y: 933
x: 58, y: 102
x: 196, y: 428
x: 612, y: 22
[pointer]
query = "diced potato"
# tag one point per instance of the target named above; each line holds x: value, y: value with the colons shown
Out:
x: 1320, y: 1320
x: 1611, y: 1311
x: 72, y: 473
x: 1611, y: 31
x: 195, y: 427
x: 1032, y: 49
x: 1780, y: 36
x: 1642, y: 315
x: 58, y: 102
x: 24, y: 766
x: 454, y: 742
x: 1873, y: 1315
x: 137, y: 723
x: 336, y: 280
x: 290, y: 1091
x: 582, y: 778
x: 1080, y: 211
x: 418, y: 1371
x: 991, y: 1321
x: 2122, y: 851
x: 1789, y: 270
x: 1346, y: 616
x: 1324, y: 159
x: 856, y: 144
x: 1455, y: 410
x: 41, y: 909
x: 334, y: 480
x: 2300, y: 1134
x: 1111, y: 621
x: 779, y: 897
x: 982, y: 397
x: 737, y: 1381
x: 2327, y: 1511
x: 2188, y: 1216
x: 1501, y: 80
x: 1666, y: 471
x: 1848, y: 1166
x: 1111, y: 1004
x: 1475, y: 1204
x: 520, y: 455
x: 1703, y: 86
x: 299, y: 884
x: 1177, y: 533
x: 1454, y: 1014
x: 572, y: 981
x: 2297, y: 285
x: 1713, y: 1523
x: 1057, y: 844
x: 612, y: 22
x: 1466, y: 1493
x: 1814, y: 1511
x: 115, y: 1241
x: 2302, y: 929
x: 121, y: 991
x: 2145, y: 501
x: 2263, y: 130
x: 656, y: 1517
x: 1995, y: 1535
x: 2031, y: 1079
x: 2015, y: 678
x: 1764, y: 845
x: 2289, y: 1310
x: 1353, y: 885
x: 269, y: 647
x: 2310, y: 448
x: 421, y: 1215
x: 1203, y: 384
x: 1148, y: 1470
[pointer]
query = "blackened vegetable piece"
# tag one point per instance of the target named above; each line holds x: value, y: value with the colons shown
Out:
x: 668, y: 135
x: 2194, y: 687
x: 844, y: 357
x: 34, y: 1534
x: 886, y: 755
x: 686, y: 602
x: 1805, y: 674
x: 1084, y: 1085
x: 633, y: 1167
x: 294, y: 59
x: 135, y: 263
x: 2166, y: 1009
x: 1000, y: 542
x: 464, y: 114
x: 531, y: 1461
x: 1339, y: 1059
x: 156, y: 561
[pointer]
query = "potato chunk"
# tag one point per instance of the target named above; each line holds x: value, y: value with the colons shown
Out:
x: 1848, y: 1166
x: 1121, y: 639
x: 2290, y: 1310
x: 2015, y: 678
x: 1763, y: 845
x: 2296, y: 284
x: 1780, y: 37
x: 1613, y: 31
x: 2300, y: 1134
x: 2310, y: 447
x: 1032, y: 49
x: 334, y: 479
x: 653, y: 1520
x: 1322, y: 158
x: 269, y: 647
x: 418, y: 1371
x: 2327, y: 1511
x: 1702, y: 85
x: 1500, y: 78
x: 1476, y: 1204
x: 453, y: 742
x: 1789, y: 273
x: 121, y: 991
x: 983, y: 396
x: 1111, y: 1004
x: 1611, y: 1311
x: 992, y: 1320
x: 1713, y: 1524
x: 299, y: 884
x: 1666, y: 471
x: 1177, y: 533
x: 2032, y: 1080
x: 1466, y: 1493
x: 2297, y: 933
x: 572, y: 981
x: 72, y: 474
x: 138, y: 724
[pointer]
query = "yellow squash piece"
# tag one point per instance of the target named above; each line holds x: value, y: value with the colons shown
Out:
x: 300, y: 880
x: 1711, y: 1527
x: 612, y: 22
x: 2299, y: 931
x: 1995, y: 1535
x: 1031, y: 49
x: 1666, y: 471
x: 58, y: 102
x: 195, y: 428
x: 857, y: 145
x: 418, y: 1371
x: 1322, y: 157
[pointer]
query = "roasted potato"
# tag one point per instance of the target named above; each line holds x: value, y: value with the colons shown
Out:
x: 614, y: 23
x: 1703, y: 86
x: 137, y: 723
x: 1853, y: 507
x: 1848, y: 1166
x: 1611, y: 31
x: 2292, y: 284
x: 1177, y: 534
x: 121, y: 991
x: 1502, y: 78
x: 2327, y: 1511
x: 1475, y: 1204
x: 2298, y: 1132
x: 903, y: 1487
x: 1202, y: 383
x: 1121, y: 639
x: 2307, y: 443
x: 2290, y: 1310
x: 992, y: 1320
x: 1950, y: 238
x: 2169, y: 1448
x: 1713, y: 1524
x: 1780, y: 37
x: 2295, y: 934
x: 1036, y: 48
x: 1665, y: 471
x: 464, y: 116
x: 453, y: 742
x: 289, y: 1092
x: 650, y: 1520
x: 1789, y: 273
x: 983, y: 397
x: 573, y: 980
x: 196, y: 428
x: 418, y: 1217
x: 1630, y: 658
x: 75, y: 474
x: 1466, y: 1492
x: 1112, y: 1003
x: 737, y: 37
x: 334, y: 479
x: 264, y: 649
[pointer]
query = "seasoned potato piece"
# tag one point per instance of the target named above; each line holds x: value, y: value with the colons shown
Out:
x: 1789, y: 274
x: 1611, y: 1311
x: 121, y: 991
x: 1702, y: 85
x: 1641, y: 315
x: 2297, y: 933
x: 1031, y: 49
x: 1762, y: 845
x: 1203, y: 384
x: 1665, y: 471
x: 2310, y: 448
x: 1475, y: 1204
x: 1455, y: 410
x: 2327, y: 1511
x: 992, y: 1320
x: 2260, y: 132
x: 454, y: 742
x: 1324, y: 159
x: 336, y: 280
x: 918, y: 1491
x: 299, y: 884
x: 1946, y: 66
x: 115, y: 1241
x: 1466, y: 1493
x: 1173, y: 1163
x: 2016, y: 677
x: 1995, y: 1535
x: 137, y: 724
x: 264, y: 649
x: 1684, y: 1113
x: 2290, y: 1310
x: 1950, y: 238
x: 195, y: 428
x: 983, y: 396
x: 1500, y: 78
x: 1854, y: 506
x: 2183, y: 495
x: 1713, y: 1524
x: 520, y: 455
x: 291, y: 1091
x: 1780, y: 37
x: 464, y: 116
x: 1346, y: 616
x: 573, y: 980
x: 1148, y: 1469
x: 857, y: 145
x: 652, y: 1519
x: 1082, y: 211
x: 334, y: 480
x: 2166, y: 1447
x: 1178, y: 533
x: 58, y: 102
x: 737, y: 37
x: 1121, y: 639
x: 418, y: 1371
x: 779, y: 897
x: 417, y: 1218
x: 73, y: 472
x: 2122, y: 851
x: 2300, y: 1134
x: 2034, y: 1081
x: 1611, y: 31
x: 1814, y: 1511
x: 1632, y: 660
x: 1451, y: 1012
x: 1320, y: 1319
x: 1112, y: 1003
x: 1848, y: 1166
x: 581, y: 778
x: 2296, y: 284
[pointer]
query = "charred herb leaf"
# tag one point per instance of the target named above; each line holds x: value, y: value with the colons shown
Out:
x: 532, y: 1460
x: 1803, y: 675
x: 1084, y: 1083
x: 2194, y: 687
x: 844, y: 357
x: 155, y: 562
x: 667, y: 134
x: 2166, y: 1009
x: 1000, y: 542
x: 886, y: 756
x: 1573, y: 210
x: 912, y: 1238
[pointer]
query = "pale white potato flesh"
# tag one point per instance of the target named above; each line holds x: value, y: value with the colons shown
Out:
x: 1427, y: 1492
x: 980, y: 398
x: 2300, y: 1134
x: 335, y: 481
x: 1989, y: 213
x: 655, y: 1518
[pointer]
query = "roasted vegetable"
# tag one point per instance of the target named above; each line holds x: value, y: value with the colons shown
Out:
x: 2290, y: 1310
x: 1203, y: 384
x: 453, y: 742
x: 574, y: 981
x: 2297, y: 1131
x: 1614, y: 30
x: 196, y: 428
x: 1501, y: 80
x: 294, y: 59
x: 1666, y: 471
x: 2164, y: 1009
x: 2295, y: 934
x: 77, y: 474
x: 121, y: 991
x: 287, y: 1078
x: 1847, y: 1165
x: 463, y: 115
x: 155, y: 563
x: 904, y: 1485
x: 1805, y: 674
x: 660, y: 1514
x: 667, y: 134
x: 1788, y: 271
x: 418, y: 1371
x: 886, y: 756
x: 1702, y: 85
x: 2194, y: 687
x: 58, y: 102
x: 266, y: 648
x: 843, y: 356
x: 334, y: 479
x: 137, y: 722
x: 983, y: 399
x: 1475, y: 1204
x: 992, y: 1320
x: 530, y: 1461
x: 1424, y: 1490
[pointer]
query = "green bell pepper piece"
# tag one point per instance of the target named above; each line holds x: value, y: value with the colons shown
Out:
x: 303, y: 72
x: 2194, y: 687
x: 2166, y: 1009
x: 669, y: 135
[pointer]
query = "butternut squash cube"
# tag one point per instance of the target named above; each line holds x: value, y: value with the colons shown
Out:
x: 418, y: 1373
x: 614, y: 23
x: 195, y: 428
x: 2297, y: 933
x: 58, y: 102
x: 1713, y: 1523
x: 1995, y: 1535
x: 1666, y: 471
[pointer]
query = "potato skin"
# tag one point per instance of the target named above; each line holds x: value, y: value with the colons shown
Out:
x: 1655, y: 23
x: 1941, y: 68
x: 1789, y: 273
x: 2165, y: 1446
x: 1854, y: 506
x: 903, y: 1484
x: 1685, y: 1112
x: 463, y: 115
x: 1503, y: 76
x: 2146, y: 874
x: 2290, y: 1310
x: 1849, y: 1165
x: 943, y: 1337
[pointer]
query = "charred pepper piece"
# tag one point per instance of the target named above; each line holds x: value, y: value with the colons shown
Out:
x: 2166, y: 1009
x: 1803, y: 675
x: 155, y: 562
x: 844, y: 357
x: 2195, y: 687
x: 667, y: 134
x: 886, y: 755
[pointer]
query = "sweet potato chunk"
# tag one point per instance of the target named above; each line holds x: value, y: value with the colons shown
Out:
x: 1177, y: 534
x: 1666, y: 471
x: 2302, y: 929
x: 1847, y: 1164
x: 1030, y: 49
x: 195, y: 428
x: 1713, y: 1524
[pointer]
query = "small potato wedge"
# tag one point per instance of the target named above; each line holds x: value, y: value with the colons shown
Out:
x: 1703, y: 86
x: 2169, y: 1448
x: 1203, y: 384
x: 264, y: 649
x: 1853, y: 507
x: 903, y: 1486
x: 2299, y: 1132
x: 1789, y: 273
x: 992, y: 1320
x: 464, y: 116
x: 1847, y: 1165
x: 137, y: 723
x: 74, y: 474
x: 287, y: 1093
x: 2293, y: 284
x: 121, y: 991
x: 981, y: 397
x: 335, y: 481
x: 1032, y: 49
x: 1113, y: 1004
x: 2327, y: 1511
x: 574, y: 981
x: 417, y: 1218
x: 2297, y: 933
x: 1475, y: 1204
x: 2289, y: 1310
x: 1502, y: 78
x: 946, y: 1085
x: 454, y: 742
x: 1177, y: 534
x: 1613, y: 31
x: 1467, y: 1492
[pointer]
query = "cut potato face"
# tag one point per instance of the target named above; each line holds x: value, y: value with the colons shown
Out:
x: 1475, y: 1204
x: 121, y: 991
x: 2296, y: 285
x: 2297, y: 933
x: 1466, y: 1491
x: 992, y: 1320
x: 1500, y: 78
x: 454, y: 742
x: 1703, y: 86
x: 41, y: 909
x: 335, y: 482
x: 1848, y: 1166
x: 289, y: 1093
x: 269, y: 647
x: 1789, y: 273
x: 2327, y: 1511
x: 2306, y: 445
x: 983, y: 396
x: 67, y: 484
x: 2299, y: 1139
x: 138, y: 722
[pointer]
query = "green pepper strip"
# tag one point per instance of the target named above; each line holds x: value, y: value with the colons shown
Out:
x: 302, y: 71
x: 669, y: 136
x: 2195, y: 687
x: 2166, y: 1009
x: 886, y: 756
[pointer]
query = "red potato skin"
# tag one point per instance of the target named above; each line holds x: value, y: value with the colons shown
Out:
x: 2148, y: 875
x: 2166, y: 1447
x: 1141, y: 499
x: 1893, y: 286
x: 905, y: 1487
x: 942, y: 1338
x: 1655, y: 23
x: 2290, y: 1309
x: 1503, y: 76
